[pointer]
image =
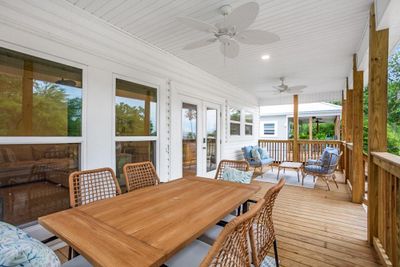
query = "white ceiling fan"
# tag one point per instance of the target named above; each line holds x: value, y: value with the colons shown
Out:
x: 284, y: 88
x: 232, y: 30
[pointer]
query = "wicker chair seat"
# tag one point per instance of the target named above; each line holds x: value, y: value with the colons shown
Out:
x: 191, y: 255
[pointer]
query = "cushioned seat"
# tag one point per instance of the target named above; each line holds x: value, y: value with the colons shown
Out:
x: 77, y: 262
x: 191, y: 255
x: 315, y: 168
x: 267, y: 262
x: 17, y: 248
x: 261, y: 162
x: 211, y: 235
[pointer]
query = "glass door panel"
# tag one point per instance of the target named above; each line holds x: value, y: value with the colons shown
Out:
x: 211, y: 139
x: 189, y: 139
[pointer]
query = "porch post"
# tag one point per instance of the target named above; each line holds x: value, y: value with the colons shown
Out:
x: 27, y: 98
x: 295, y: 128
x: 377, y: 114
x: 349, y: 112
x: 343, y: 134
x: 358, y: 170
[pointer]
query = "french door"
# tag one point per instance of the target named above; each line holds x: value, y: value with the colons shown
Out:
x: 200, y: 128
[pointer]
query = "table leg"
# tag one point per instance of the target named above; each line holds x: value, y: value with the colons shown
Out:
x: 279, y: 170
x: 298, y: 176
x: 245, y: 207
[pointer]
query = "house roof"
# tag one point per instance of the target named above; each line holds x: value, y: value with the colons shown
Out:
x: 309, y: 109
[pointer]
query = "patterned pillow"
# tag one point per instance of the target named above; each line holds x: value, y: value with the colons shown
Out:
x: 237, y: 176
x: 17, y: 248
x: 255, y: 154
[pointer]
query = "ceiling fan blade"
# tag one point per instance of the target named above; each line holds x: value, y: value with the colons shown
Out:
x: 199, y: 43
x: 297, y: 87
x: 197, y: 24
x: 242, y: 17
x: 229, y: 47
x: 256, y: 37
x: 280, y: 88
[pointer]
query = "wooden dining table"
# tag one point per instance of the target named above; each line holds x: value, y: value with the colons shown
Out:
x: 147, y: 226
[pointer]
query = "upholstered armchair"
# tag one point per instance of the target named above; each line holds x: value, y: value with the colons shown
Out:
x: 325, y: 167
x: 257, y: 157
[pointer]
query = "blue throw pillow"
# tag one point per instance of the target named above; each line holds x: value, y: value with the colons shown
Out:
x: 237, y: 176
x: 326, y: 155
x: 263, y: 153
x: 17, y: 248
x: 247, y: 151
x: 255, y: 154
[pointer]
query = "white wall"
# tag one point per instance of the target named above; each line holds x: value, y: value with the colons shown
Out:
x: 58, y: 31
x: 281, y: 127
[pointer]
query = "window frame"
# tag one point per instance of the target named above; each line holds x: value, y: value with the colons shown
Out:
x: 30, y: 140
x: 235, y: 122
x: 275, y: 123
x: 148, y: 81
x: 249, y: 123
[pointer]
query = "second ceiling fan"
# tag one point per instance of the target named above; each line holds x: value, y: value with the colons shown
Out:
x: 231, y: 30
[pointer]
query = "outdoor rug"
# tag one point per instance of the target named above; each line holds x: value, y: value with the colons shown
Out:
x: 290, y: 176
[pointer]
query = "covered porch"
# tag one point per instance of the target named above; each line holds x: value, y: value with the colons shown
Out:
x: 88, y: 85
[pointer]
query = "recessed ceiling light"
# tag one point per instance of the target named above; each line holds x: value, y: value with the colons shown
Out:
x: 265, y: 57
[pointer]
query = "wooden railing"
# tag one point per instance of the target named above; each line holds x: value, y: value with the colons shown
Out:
x: 387, y: 242
x: 282, y: 150
x: 348, y: 168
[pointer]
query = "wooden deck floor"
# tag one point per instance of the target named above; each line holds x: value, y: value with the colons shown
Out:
x: 319, y: 228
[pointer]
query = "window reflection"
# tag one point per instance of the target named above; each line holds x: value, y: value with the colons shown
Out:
x: 212, y: 134
x: 131, y: 152
x: 34, y: 180
x: 189, y: 139
x: 136, y: 109
x: 38, y: 97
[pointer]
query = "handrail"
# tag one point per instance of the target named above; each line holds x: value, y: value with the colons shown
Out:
x: 388, y: 204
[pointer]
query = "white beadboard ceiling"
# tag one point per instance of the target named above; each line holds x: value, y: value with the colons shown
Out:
x: 318, y: 39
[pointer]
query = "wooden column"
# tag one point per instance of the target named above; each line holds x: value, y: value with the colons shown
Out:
x: 343, y: 135
x: 310, y: 128
x: 349, y: 112
x: 358, y: 164
x: 27, y: 98
x: 377, y: 114
x: 295, y: 128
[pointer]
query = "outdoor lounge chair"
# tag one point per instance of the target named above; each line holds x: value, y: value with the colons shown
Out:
x: 324, y: 168
x: 256, y: 163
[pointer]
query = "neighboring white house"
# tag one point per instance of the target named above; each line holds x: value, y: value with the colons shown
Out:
x: 274, y: 120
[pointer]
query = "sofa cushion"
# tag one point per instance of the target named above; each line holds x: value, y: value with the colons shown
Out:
x: 17, y: 248
x: 316, y: 169
x: 237, y: 176
x: 326, y: 155
x: 264, y: 153
x: 255, y: 154
x: 247, y: 151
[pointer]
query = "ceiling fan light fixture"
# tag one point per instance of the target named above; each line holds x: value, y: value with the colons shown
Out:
x: 265, y: 57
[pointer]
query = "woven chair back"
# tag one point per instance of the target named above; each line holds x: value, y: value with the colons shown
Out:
x: 140, y: 175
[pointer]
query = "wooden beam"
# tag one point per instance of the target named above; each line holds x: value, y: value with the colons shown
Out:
x: 310, y: 135
x: 295, y: 127
x: 377, y: 114
x: 358, y: 157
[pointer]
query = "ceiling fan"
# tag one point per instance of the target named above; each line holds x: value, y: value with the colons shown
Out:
x: 231, y: 30
x: 284, y: 88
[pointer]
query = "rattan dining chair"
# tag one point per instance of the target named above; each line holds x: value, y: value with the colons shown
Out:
x: 92, y: 185
x: 231, y: 249
x: 262, y: 232
x: 241, y: 165
x: 140, y: 175
x: 89, y: 186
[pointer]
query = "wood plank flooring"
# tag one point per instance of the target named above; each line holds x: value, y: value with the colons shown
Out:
x: 320, y: 228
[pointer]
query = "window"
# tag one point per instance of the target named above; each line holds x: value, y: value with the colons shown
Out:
x: 269, y: 128
x: 38, y: 99
x: 248, y: 127
x: 135, y: 124
x: 235, y: 121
